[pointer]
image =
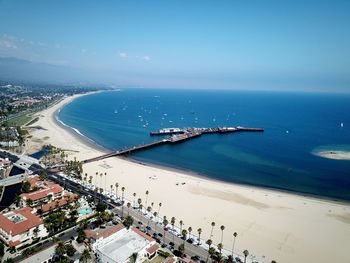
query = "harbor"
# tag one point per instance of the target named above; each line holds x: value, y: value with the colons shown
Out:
x: 175, y: 135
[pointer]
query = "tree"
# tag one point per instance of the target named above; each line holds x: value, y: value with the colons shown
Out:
x: 36, y: 232
x: 181, y: 224
x: 26, y: 187
x: 134, y: 195
x: 172, y: 221
x: 165, y: 223
x: 70, y: 250
x: 116, y: 189
x: 149, y: 210
x: 147, y: 192
x: 220, y: 247
x: 17, y: 200
x: 128, y: 205
x: 2, y: 249
x: 133, y: 257
x: 101, y: 207
x: 160, y: 205
x: 29, y: 202
x: 81, y: 235
x: 209, y: 243
x: 184, y: 235
x: 189, y: 232
x: 85, y: 256
x: 273, y: 261
x: 128, y: 221
x: 222, y: 232
x: 182, y: 249
x: 9, y: 260
x: 123, y: 189
x: 199, y: 230
x: 246, y: 254
x: 60, y: 250
x: 234, y: 241
x: 212, y: 228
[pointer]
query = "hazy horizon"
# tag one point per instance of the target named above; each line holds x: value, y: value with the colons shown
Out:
x: 271, y: 45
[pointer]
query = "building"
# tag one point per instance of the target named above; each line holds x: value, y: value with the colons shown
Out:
x: 21, y: 226
x: 44, y: 209
x: 43, y: 256
x: 117, y: 244
x: 5, y: 167
x: 43, y: 192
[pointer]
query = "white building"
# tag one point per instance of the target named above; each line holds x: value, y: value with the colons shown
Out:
x: 21, y: 226
x: 118, y: 244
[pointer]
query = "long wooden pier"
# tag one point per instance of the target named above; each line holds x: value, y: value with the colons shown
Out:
x: 176, y: 136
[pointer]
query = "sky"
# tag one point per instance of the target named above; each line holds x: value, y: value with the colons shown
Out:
x: 302, y: 45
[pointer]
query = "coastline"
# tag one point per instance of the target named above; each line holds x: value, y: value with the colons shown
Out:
x: 258, y: 215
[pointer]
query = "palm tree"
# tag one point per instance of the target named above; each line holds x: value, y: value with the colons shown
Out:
x: 147, y: 192
x: 181, y: 224
x: 220, y: 247
x: 105, y: 181
x: 165, y: 223
x: 123, y: 189
x: 189, y: 232
x: 222, y: 232
x: 111, y: 188
x: 273, y: 261
x: 140, y: 206
x: 139, y: 201
x: 101, y: 174
x: 90, y: 179
x: 149, y: 210
x: 134, y: 257
x: 212, y: 228
x: 246, y: 254
x: 128, y: 205
x: 209, y: 243
x: 172, y: 221
x: 134, y: 195
x: 234, y: 241
x: 116, y: 190
x: 155, y: 217
x: 199, y: 230
x: 184, y: 235
x: 85, y: 256
x: 160, y: 204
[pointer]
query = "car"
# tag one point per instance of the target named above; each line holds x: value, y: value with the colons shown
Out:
x: 157, y: 240
x: 166, y: 229
x: 164, y: 245
x: 140, y: 223
x: 154, y: 234
x: 171, y: 244
x: 148, y: 228
x: 190, y: 240
x: 238, y: 259
x: 160, y: 234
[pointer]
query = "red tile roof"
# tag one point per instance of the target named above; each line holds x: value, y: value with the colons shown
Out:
x: 50, y: 188
x: 13, y: 228
x: 144, y: 235
x: 57, y: 203
x: 152, y: 249
x: 96, y: 234
x: 16, y: 243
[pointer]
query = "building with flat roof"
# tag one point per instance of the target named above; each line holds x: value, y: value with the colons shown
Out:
x: 18, y: 227
x: 117, y: 244
x: 43, y: 256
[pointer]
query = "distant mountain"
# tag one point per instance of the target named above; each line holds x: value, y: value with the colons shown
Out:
x: 14, y: 69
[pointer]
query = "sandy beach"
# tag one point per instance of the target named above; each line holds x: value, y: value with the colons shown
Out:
x: 276, y: 225
x: 336, y: 155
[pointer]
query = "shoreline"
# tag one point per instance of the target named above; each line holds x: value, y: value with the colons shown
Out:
x: 91, y: 143
x: 269, y: 222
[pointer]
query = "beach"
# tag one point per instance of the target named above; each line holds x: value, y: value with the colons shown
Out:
x: 272, y: 224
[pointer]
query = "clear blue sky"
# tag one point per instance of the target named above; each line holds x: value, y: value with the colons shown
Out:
x: 218, y: 44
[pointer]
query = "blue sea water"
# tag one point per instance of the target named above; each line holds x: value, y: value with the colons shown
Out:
x: 281, y: 158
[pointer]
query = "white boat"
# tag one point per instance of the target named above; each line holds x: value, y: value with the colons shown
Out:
x: 342, y: 125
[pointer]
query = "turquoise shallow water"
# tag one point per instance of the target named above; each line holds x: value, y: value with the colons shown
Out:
x: 295, y: 125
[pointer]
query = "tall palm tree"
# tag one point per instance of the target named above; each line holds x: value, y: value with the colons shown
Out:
x: 85, y: 256
x: 160, y: 204
x: 116, y: 190
x: 209, y: 243
x: 111, y: 188
x: 128, y: 205
x: 222, y: 232
x: 155, y: 217
x: 140, y: 206
x: 184, y: 235
x: 212, y: 228
x: 189, y: 232
x: 273, y: 261
x: 149, y: 210
x: 123, y: 189
x: 139, y: 201
x: 90, y: 179
x: 246, y: 254
x: 105, y: 182
x: 101, y: 174
x: 134, y: 195
x: 199, y: 230
x: 220, y: 247
x: 147, y: 192
x: 234, y: 241
x: 165, y: 223
x: 172, y: 221
x: 181, y: 224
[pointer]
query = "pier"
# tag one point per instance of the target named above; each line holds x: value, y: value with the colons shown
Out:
x: 175, y: 135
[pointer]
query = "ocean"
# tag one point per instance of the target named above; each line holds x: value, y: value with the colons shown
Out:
x: 296, y: 125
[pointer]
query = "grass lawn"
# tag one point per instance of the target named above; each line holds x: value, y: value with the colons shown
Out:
x: 19, y: 121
